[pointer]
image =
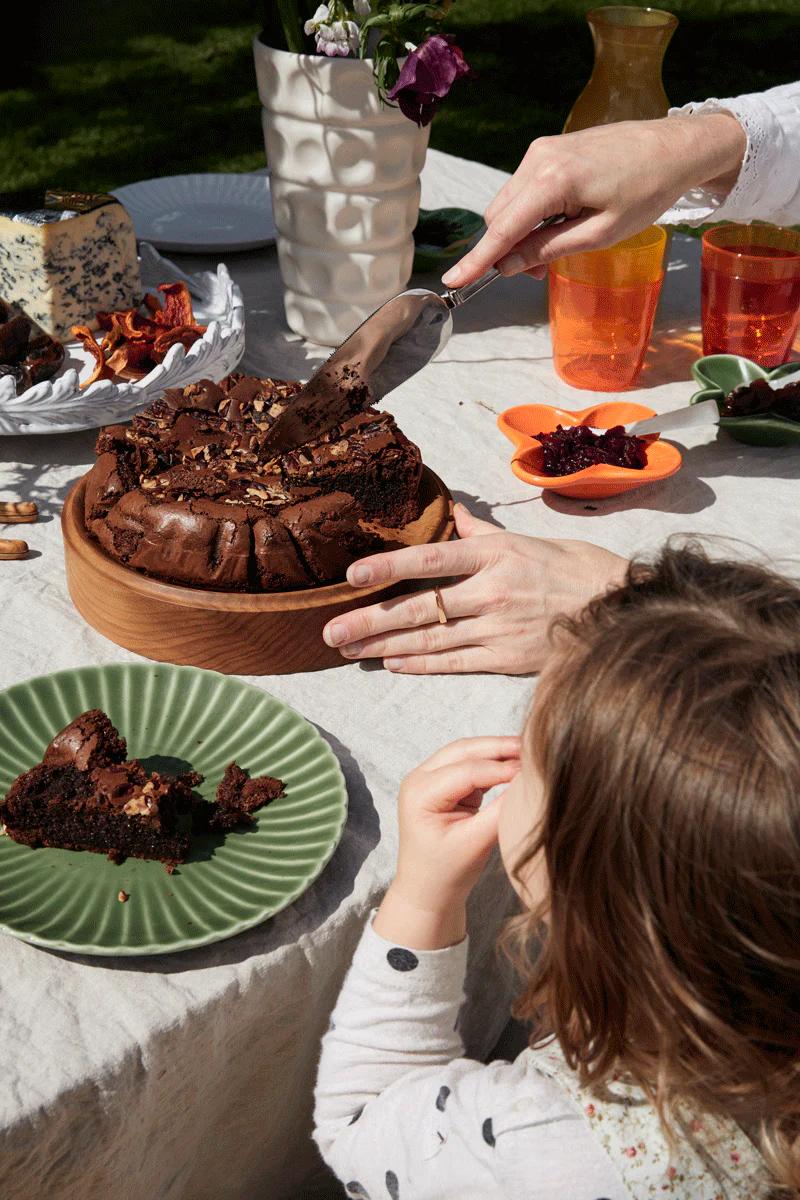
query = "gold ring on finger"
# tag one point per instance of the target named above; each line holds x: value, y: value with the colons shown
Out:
x: 440, y: 612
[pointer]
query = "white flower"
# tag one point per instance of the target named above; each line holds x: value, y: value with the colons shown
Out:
x: 342, y: 39
x: 319, y: 17
x: 410, y: 46
x: 362, y: 8
x: 329, y: 47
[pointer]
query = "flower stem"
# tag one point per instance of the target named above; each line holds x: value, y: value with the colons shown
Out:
x: 291, y: 21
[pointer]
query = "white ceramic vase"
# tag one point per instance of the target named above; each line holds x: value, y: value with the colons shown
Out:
x: 344, y: 178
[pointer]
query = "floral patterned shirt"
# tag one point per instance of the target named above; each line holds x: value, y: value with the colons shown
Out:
x: 402, y: 1115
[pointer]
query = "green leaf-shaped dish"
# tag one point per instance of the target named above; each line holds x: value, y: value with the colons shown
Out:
x: 443, y: 235
x: 67, y: 899
x: 719, y: 374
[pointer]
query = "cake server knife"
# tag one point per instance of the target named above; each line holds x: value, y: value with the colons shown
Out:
x: 691, y: 415
x: 394, y: 343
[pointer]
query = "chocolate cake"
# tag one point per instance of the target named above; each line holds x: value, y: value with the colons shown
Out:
x: 238, y: 797
x: 86, y: 795
x: 198, y: 491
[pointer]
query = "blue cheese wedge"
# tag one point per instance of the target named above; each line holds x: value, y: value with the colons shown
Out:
x: 68, y: 260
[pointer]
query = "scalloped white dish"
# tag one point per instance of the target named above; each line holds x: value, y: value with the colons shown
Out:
x: 59, y: 406
x: 208, y: 213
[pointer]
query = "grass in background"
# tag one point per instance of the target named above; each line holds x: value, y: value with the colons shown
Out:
x: 111, y: 92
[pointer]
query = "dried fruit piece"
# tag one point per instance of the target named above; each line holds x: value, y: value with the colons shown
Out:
x: 187, y: 335
x: 135, y: 341
x: 101, y: 371
x: 132, y: 360
x: 177, y: 308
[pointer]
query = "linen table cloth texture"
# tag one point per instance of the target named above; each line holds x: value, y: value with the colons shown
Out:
x: 189, y: 1077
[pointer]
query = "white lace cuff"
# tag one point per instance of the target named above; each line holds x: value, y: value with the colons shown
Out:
x: 767, y: 186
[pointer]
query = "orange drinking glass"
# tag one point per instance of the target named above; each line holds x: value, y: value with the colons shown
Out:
x: 750, y: 289
x: 602, y: 305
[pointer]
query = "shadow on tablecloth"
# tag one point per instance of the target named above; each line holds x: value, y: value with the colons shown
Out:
x: 725, y: 456
x: 482, y: 509
x: 26, y: 462
x: 684, y: 492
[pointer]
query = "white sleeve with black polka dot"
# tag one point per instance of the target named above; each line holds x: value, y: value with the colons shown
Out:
x: 400, y: 1115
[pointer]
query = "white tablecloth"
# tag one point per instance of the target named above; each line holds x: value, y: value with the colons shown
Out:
x: 190, y: 1077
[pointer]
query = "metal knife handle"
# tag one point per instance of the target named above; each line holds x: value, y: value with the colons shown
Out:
x: 460, y: 296
x: 454, y: 297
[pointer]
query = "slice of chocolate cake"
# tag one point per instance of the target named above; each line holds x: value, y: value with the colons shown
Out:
x: 331, y: 398
x: 85, y: 795
x: 369, y: 458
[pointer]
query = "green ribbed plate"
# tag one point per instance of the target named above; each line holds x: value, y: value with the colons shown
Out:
x: 67, y: 899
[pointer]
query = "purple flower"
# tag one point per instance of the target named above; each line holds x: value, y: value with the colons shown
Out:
x: 427, y: 76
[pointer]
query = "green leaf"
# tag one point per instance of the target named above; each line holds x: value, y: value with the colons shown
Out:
x: 272, y: 33
x: 411, y: 11
x: 378, y: 21
x: 292, y: 24
x: 392, y: 72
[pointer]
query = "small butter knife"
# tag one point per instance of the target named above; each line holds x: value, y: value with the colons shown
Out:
x: 704, y: 413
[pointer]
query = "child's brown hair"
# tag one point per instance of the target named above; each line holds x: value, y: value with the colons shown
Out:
x: 667, y: 734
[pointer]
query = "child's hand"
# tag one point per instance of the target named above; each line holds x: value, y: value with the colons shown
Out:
x: 445, y: 840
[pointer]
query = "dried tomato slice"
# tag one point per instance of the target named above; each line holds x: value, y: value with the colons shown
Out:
x: 187, y: 335
x: 131, y: 360
x: 101, y: 368
x: 135, y: 340
x: 177, y: 308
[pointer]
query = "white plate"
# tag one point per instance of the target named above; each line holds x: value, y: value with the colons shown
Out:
x: 201, y: 213
x: 59, y: 406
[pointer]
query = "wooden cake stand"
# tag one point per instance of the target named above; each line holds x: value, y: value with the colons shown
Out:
x: 242, y: 633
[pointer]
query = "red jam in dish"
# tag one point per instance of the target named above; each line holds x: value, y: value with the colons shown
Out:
x: 570, y: 449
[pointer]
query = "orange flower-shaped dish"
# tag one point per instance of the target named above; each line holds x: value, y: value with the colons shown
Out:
x: 592, y: 483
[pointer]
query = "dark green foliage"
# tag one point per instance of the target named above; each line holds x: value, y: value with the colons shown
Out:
x: 109, y: 92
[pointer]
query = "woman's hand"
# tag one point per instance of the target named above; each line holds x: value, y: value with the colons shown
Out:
x: 506, y: 590
x: 611, y: 181
x: 445, y: 840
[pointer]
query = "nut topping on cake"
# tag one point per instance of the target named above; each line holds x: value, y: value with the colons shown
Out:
x: 195, y: 492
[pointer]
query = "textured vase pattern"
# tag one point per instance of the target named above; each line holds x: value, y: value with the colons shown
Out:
x: 345, y: 188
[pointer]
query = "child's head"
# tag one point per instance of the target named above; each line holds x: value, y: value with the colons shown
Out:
x: 661, y: 790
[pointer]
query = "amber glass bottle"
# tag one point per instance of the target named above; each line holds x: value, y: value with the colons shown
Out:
x: 629, y: 48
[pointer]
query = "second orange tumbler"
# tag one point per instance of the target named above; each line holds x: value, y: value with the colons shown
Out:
x: 602, y: 305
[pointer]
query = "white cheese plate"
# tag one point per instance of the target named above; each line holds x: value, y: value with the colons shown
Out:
x: 59, y: 405
x: 201, y: 213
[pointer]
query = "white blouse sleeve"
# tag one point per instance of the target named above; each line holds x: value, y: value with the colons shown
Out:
x: 401, y: 1116
x: 768, y: 186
